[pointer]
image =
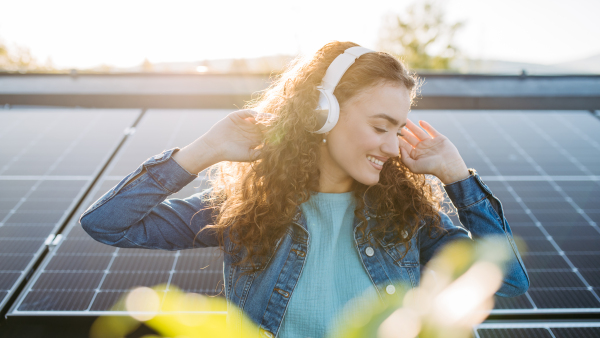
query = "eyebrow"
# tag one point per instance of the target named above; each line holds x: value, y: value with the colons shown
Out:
x: 387, y: 117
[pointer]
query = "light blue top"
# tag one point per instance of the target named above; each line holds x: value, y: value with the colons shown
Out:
x: 327, y: 283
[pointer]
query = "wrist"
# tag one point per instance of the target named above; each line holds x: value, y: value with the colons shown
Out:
x: 211, y: 151
x: 454, y: 173
x: 196, y: 157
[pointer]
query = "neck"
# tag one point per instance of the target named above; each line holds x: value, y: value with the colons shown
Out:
x: 333, y: 179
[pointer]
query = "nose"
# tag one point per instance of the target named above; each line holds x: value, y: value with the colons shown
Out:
x: 391, y: 146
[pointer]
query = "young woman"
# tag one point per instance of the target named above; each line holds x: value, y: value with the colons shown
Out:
x: 310, y: 220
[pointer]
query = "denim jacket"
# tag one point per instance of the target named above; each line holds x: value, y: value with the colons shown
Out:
x: 140, y: 216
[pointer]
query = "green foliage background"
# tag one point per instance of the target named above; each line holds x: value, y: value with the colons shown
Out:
x: 421, y: 36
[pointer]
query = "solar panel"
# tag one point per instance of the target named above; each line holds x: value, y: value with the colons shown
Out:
x: 539, y: 330
x: 84, y: 277
x: 547, y: 179
x: 544, y: 168
x: 48, y: 159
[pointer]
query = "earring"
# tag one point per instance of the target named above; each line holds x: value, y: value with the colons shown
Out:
x: 324, y: 141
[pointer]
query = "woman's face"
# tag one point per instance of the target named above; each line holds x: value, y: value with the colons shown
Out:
x: 365, y: 137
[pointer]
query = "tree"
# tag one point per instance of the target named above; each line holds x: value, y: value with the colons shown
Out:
x: 421, y: 37
x: 147, y: 66
x: 264, y: 67
x: 238, y: 66
x: 20, y: 59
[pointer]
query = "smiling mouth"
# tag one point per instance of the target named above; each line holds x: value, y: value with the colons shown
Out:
x: 377, y: 164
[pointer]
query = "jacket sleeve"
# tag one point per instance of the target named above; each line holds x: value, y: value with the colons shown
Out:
x: 481, y: 213
x: 136, y: 215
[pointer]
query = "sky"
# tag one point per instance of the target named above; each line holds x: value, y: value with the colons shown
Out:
x: 84, y: 33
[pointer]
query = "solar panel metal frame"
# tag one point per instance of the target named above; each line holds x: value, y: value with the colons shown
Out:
x: 68, y: 211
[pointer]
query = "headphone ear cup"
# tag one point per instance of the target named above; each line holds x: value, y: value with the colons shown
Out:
x: 327, y: 111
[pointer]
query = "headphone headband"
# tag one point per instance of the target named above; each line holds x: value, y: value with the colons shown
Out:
x: 338, y: 67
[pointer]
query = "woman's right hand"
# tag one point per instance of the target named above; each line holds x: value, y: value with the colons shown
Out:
x: 235, y: 137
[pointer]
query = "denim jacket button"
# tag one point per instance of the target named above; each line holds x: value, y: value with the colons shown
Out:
x: 265, y: 333
x: 390, y: 289
x: 369, y: 251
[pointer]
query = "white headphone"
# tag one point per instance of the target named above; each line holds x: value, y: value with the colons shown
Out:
x: 328, y: 109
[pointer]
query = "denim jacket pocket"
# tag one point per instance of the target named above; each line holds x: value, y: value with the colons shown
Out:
x: 407, y: 262
x: 238, y: 286
x: 398, y: 251
x: 410, y: 258
x: 238, y: 257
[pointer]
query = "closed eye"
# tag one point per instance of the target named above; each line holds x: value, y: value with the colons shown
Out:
x: 379, y: 130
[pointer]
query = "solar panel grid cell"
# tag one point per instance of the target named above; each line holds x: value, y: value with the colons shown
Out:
x: 15, y: 262
x: 563, y: 299
x: 554, y: 279
x: 107, y: 301
x: 8, y: 278
x: 80, y: 261
x: 199, y: 259
x: 124, y: 262
x: 520, y: 302
x: 36, y: 217
x: 209, y: 282
x: 556, y: 329
x: 572, y: 230
x: 515, y: 333
x: 592, y: 276
x: 585, y: 260
x: 545, y: 262
x: 525, y: 231
x: 44, y: 300
x: 65, y: 280
x: 25, y: 231
x: 80, y: 245
x: 576, y: 332
x: 125, y: 280
x: 23, y: 246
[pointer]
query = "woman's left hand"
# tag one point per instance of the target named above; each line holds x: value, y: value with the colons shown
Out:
x: 430, y: 152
